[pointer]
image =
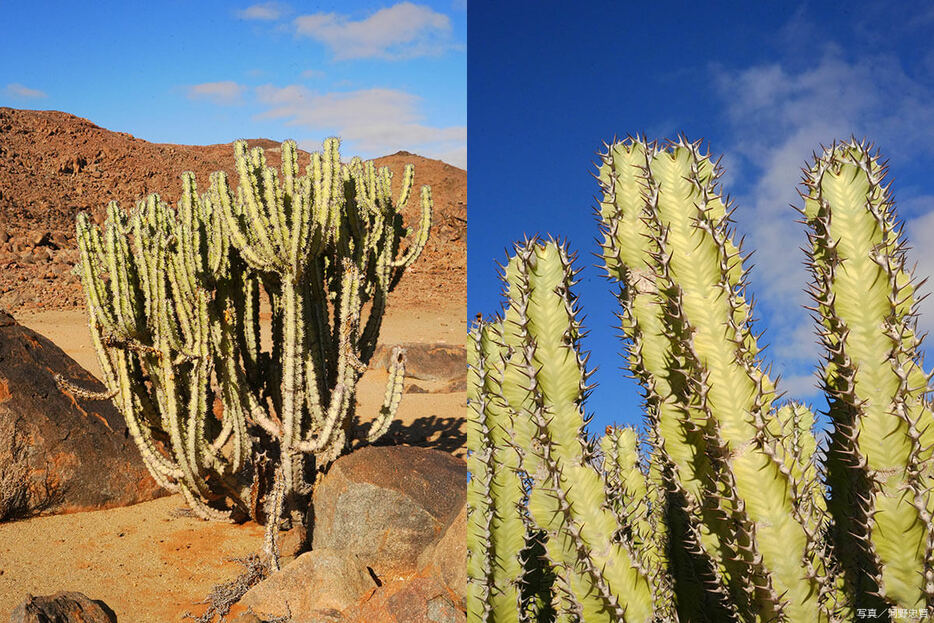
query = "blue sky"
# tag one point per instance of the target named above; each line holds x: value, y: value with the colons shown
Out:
x: 383, y: 75
x: 764, y: 83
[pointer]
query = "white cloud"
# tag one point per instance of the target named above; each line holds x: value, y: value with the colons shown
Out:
x: 920, y: 231
x: 798, y: 342
x: 266, y: 11
x: 800, y: 387
x: 872, y: 96
x: 374, y: 121
x: 404, y: 30
x: 15, y: 89
x: 779, y: 118
x: 456, y: 156
x: 312, y: 73
x: 224, y: 93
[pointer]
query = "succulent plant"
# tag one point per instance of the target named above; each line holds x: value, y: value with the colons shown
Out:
x: 174, y: 299
x: 728, y: 512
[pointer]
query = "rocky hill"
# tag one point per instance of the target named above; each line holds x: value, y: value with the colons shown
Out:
x: 54, y: 165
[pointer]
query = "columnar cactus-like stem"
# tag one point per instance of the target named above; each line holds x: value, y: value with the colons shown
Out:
x: 630, y: 244
x: 639, y: 502
x: 879, y: 462
x: 544, y: 384
x: 392, y: 396
x: 273, y: 512
x: 496, y: 534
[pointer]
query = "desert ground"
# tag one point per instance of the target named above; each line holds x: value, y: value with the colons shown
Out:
x: 152, y: 561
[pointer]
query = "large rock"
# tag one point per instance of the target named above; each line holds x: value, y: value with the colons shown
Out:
x: 316, y: 586
x: 446, y: 560
x: 387, y: 505
x: 59, y: 453
x: 427, y: 362
x: 415, y: 599
x: 389, y: 542
x: 70, y: 607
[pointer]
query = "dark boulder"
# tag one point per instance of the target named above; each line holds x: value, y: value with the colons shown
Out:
x: 389, y: 542
x: 60, y: 453
x: 316, y: 585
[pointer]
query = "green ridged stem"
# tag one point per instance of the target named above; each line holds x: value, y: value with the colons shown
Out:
x: 879, y: 462
x: 544, y: 384
x: 496, y: 532
x: 638, y: 500
x: 629, y: 248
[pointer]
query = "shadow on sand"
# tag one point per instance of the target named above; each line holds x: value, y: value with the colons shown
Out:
x: 441, y: 433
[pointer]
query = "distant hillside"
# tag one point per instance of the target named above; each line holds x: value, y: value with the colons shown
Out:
x: 54, y: 165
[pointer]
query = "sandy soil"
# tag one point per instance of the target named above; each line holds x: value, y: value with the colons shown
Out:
x: 149, y: 563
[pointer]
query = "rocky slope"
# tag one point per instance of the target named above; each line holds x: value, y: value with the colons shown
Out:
x: 54, y: 165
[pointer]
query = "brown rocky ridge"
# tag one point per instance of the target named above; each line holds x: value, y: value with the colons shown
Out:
x: 54, y: 165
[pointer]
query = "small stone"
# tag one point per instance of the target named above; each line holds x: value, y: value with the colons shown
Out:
x: 456, y: 386
x: 292, y: 542
x: 63, y: 607
x: 59, y: 240
x: 426, y: 362
x: 39, y: 238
